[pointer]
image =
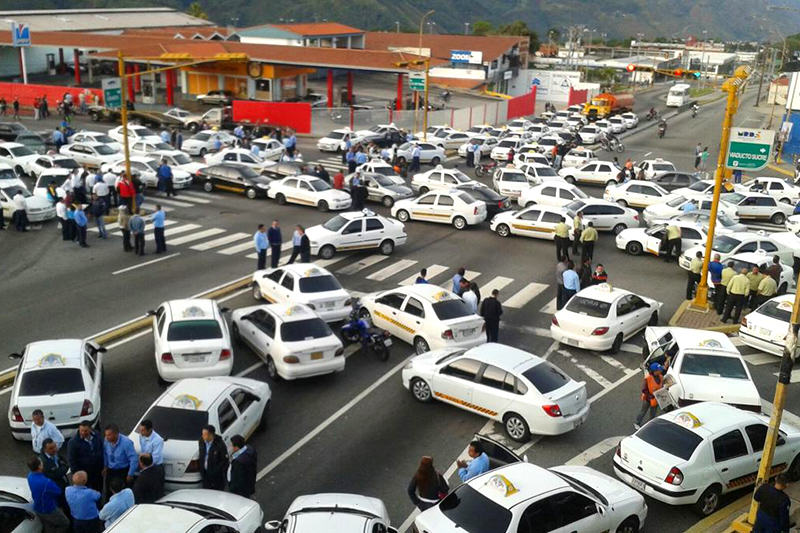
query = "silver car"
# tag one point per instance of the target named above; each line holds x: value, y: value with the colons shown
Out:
x: 381, y: 188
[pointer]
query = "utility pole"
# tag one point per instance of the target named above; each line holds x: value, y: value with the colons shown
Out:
x: 761, y: 76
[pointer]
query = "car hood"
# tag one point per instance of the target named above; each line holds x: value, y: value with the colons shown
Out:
x: 334, y: 194
x: 318, y: 232
x: 718, y: 389
x: 174, y: 450
x: 191, y: 168
x: 261, y: 180
x: 401, y: 190
x: 37, y: 202
x: 614, y: 491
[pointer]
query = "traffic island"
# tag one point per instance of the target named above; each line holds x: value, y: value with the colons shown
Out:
x: 689, y: 315
x: 729, y: 519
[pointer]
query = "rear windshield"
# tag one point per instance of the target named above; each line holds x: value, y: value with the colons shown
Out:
x: 303, y: 330
x: 546, y: 377
x: 696, y: 364
x: 65, y: 163
x: 588, y: 306
x: 449, y: 309
x: 189, y: 330
x: 50, y: 381
x: 670, y: 438
x: 473, y: 512
x: 319, y: 284
x: 777, y: 310
x: 177, y: 424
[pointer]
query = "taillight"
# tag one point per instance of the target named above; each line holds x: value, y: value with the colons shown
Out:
x: 618, y: 452
x: 16, y: 414
x: 339, y: 352
x: 501, y: 204
x: 675, y: 476
x: 447, y: 334
x: 554, y: 321
x: 194, y: 466
x: 635, y: 217
x: 291, y: 359
x: 348, y: 302
x: 552, y: 410
x: 224, y: 354
x: 197, y: 172
x: 600, y: 331
x: 475, y: 210
x: 166, y: 357
x: 87, y: 408
x: 744, y: 322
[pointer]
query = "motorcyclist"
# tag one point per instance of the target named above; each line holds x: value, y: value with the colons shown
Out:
x: 695, y: 109
x: 652, y: 113
x: 662, y: 127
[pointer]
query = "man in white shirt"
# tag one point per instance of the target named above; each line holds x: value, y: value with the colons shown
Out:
x: 42, y: 429
x: 101, y: 190
x: 20, y: 215
x: 61, y: 214
x: 469, y: 297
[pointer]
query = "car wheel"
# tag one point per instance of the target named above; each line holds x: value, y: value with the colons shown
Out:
x: 629, y: 525
x: 503, y: 230
x: 634, y: 248
x: 322, y: 206
x: 435, y: 161
x: 783, y: 288
x: 618, y: 228
x: 272, y: 370
x: 786, y: 200
x: 95, y: 117
x: 794, y: 470
x: 193, y: 127
x: 653, y: 319
x: 402, y: 215
x: 203, y: 152
x: 570, y: 180
x: 19, y: 170
x: 327, y: 251
x: 622, y: 203
x: 424, y: 190
x: 401, y: 160
x: 387, y: 247
x: 709, y: 501
x: 281, y: 199
x: 617, y: 344
x: 421, y: 345
x: 387, y: 201
x: 778, y: 218
x: 235, y: 332
x: 251, y: 193
x: 364, y: 315
x: 516, y: 427
x: 421, y: 391
x: 257, y: 294
x: 459, y: 223
x: 529, y: 204
x: 609, y: 183
x: 208, y: 186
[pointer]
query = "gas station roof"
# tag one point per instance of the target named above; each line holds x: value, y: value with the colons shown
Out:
x: 101, y: 19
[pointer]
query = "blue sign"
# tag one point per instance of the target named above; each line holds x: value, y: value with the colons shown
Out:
x: 466, y: 56
x: 536, y: 81
x: 20, y: 34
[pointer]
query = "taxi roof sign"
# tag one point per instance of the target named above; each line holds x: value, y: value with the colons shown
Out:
x: 709, y: 343
x: 502, y: 484
x: 51, y: 360
x: 688, y: 420
x: 193, y: 311
x: 187, y: 401
x: 314, y: 271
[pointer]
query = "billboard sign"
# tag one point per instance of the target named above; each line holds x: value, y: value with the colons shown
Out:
x: 471, y: 57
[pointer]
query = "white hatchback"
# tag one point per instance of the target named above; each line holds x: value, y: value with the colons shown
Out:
x: 354, y: 230
x: 445, y: 207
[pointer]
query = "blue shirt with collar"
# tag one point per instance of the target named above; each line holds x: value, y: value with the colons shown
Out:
x: 361, y: 158
x: 116, y: 506
x: 154, y: 445
x: 80, y: 218
x: 457, y: 282
x: 260, y: 241
x: 476, y: 467
x: 121, y: 455
x: 158, y: 219
x: 715, y: 269
x: 571, y: 280
x: 82, y: 502
x: 291, y: 142
x: 45, y: 493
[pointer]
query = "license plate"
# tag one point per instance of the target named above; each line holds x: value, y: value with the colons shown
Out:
x: 387, y: 342
x: 194, y: 358
x: 571, y: 342
x: 328, y: 305
x: 316, y: 355
x: 467, y: 332
x: 765, y: 332
x: 638, y: 484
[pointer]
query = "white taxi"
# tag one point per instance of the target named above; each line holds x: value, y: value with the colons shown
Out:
x: 484, y: 143
x: 17, y: 155
x: 16, y: 506
x: 653, y: 240
x: 631, y: 119
x: 478, y: 129
x: 92, y: 155
x: 203, y: 142
x: 511, y: 181
x: 693, y: 455
x: 291, y: 338
x: 757, y: 206
x: 426, y: 316
x: 529, y: 155
x: 354, y: 230
x: 37, y: 208
x: 241, y: 156
x: 96, y: 137
x: 605, y: 216
x: 578, y: 157
x: 766, y: 328
x: 736, y: 243
x: 635, y: 193
x: 525, y: 393
x: 379, y: 166
x: 146, y: 148
x: 338, y: 512
x: 763, y: 260
x: 589, y: 134
x: 445, y: 207
x: 702, y: 366
x: 522, y: 497
x: 179, y: 160
x: 538, y: 221
x: 191, y: 339
x: 602, y: 172
x: 303, y: 283
x: 62, y: 378
x: 51, y: 161
x: 654, y: 167
x: 194, y: 511
x: 269, y: 149
x: 500, y: 152
x: 540, y: 173
x: 308, y: 190
x: 676, y: 204
x: 234, y: 406
x: 428, y: 152
x: 449, y: 140
x: 553, y: 193
x: 147, y: 167
x: 793, y: 223
x: 335, y: 141
x: 51, y: 176
x: 602, y: 317
x: 534, y: 132
x: 519, y: 125
x: 782, y: 189
x: 617, y: 124
x: 439, y: 178
x: 135, y: 133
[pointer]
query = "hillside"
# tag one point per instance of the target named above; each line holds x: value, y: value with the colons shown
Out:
x: 725, y: 19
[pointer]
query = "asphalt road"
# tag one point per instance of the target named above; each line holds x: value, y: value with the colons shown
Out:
x: 358, y: 431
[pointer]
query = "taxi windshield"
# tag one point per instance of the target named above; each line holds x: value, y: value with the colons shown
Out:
x: 65, y: 163
x: 177, y: 424
x: 383, y: 170
x: 732, y: 197
x: 104, y: 149
x: 778, y: 310
x: 336, y: 223
x: 588, y: 306
x: 701, y: 364
x: 449, y: 309
x: 515, y: 176
x: 319, y: 185
x: 319, y: 284
x: 469, y: 510
x: 546, y: 171
x: 725, y: 244
x: 670, y: 438
x: 335, y: 135
x: 50, y: 381
x: 305, y: 330
x: 382, y: 180
x: 190, y: 330
x: 699, y: 186
x: 573, y: 207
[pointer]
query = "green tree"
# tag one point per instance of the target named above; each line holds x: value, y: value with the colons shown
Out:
x: 196, y: 10
x: 519, y: 27
x: 481, y: 27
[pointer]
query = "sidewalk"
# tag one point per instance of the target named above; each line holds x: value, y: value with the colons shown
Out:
x: 720, y: 521
x: 689, y: 316
x: 784, y: 167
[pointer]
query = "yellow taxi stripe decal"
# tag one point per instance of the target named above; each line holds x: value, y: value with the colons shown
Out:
x: 465, y: 404
x: 395, y: 322
x: 751, y: 478
x: 754, y: 216
x: 228, y: 188
x: 423, y: 214
x: 357, y: 247
x: 533, y: 228
x: 299, y: 200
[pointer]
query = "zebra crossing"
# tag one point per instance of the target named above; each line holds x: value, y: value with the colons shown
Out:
x: 331, y: 164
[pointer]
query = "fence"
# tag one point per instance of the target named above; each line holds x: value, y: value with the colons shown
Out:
x: 54, y: 93
x: 522, y: 106
x: 295, y: 115
x: 577, y: 96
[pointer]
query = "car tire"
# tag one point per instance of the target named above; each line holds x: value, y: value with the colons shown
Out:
x: 503, y: 230
x: 634, y: 248
x: 778, y: 219
x: 794, y: 470
x: 19, y: 170
x: 421, y: 345
x: 95, y: 116
x: 786, y: 200
x: 251, y: 193
x: 708, y: 501
x: 783, y: 288
x: 570, y: 180
x: 403, y: 215
x: 323, y: 206
x: 203, y: 152
x: 424, y: 190
x: 529, y: 204
x: 387, y: 201
x: 193, y: 127
x: 619, y: 228
x: 364, y: 315
x: 421, y: 391
x: 653, y: 319
x: 435, y: 161
x: 272, y: 370
x: 459, y: 223
x: 516, y: 427
x: 387, y: 247
x: 622, y: 203
x: 629, y: 525
x: 609, y: 183
x: 257, y: 294
x: 617, y: 344
x: 235, y: 332
x: 327, y: 251
x: 281, y: 199
x: 208, y: 186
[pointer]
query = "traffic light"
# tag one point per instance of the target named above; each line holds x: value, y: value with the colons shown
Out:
x: 680, y: 73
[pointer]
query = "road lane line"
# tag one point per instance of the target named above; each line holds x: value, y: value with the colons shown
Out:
x: 524, y: 295
x: 196, y: 236
x: 549, y: 308
x: 590, y: 372
x: 140, y: 265
x: 331, y: 419
x: 468, y: 275
x: 361, y: 264
x: 433, y: 271
x: 392, y: 269
x: 196, y: 197
x: 613, y: 362
x: 613, y: 386
x: 173, y: 203
x: 237, y: 248
x: 150, y: 237
x: 497, y: 283
x: 630, y: 348
x: 219, y: 242
x: 324, y: 263
x: 595, y: 452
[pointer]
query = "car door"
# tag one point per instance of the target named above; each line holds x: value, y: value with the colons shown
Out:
x: 423, y: 208
x: 546, y: 227
x: 248, y: 406
x: 757, y: 435
x: 305, y: 193
x: 434, y: 180
x: 494, y: 391
x: 229, y: 423
x: 733, y: 461
x: 374, y: 232
x: 691, y: 237
x: 605, y: 172
x: 748, y: 207
x: 525, y: 223
x: 577, y: 512
x: 588, y: 173
x: 270, y: 285
x: 373, y: 191
x: 550, y: 195
x: 286, y: 287
x: 386, y: 315
x: 250, y: 329
x: 655, y: 241
x: 649, y: 195
x: 454, y: 383
x: 627, y: 321
x: 352, y: 235
x: 766, y: 207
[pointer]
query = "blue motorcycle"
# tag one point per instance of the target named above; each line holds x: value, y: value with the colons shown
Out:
x: 357, y: 329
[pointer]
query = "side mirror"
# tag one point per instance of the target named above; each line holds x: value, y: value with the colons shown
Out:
x: 224, y: 309
x: 272, y: 525
x: 151, y: 313
x: 248, y: 318
x: 601, y: 510
x: 780, y: 441
x: 15, y: 355
x: 525, y: 458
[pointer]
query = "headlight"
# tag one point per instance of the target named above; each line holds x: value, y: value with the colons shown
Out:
x: 408, y: 366
x: 262, y: 185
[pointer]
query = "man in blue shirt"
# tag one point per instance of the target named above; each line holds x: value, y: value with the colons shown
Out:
x: 361, y: 157
x: 572, y: 283
x: 275, y: 241
x: 158, y: 219
x: 120, y: 501
x: 82, y: 503
x: 81, y: 222
x: 45, y: 499
x: 165, y: 181
x: 119, y: 456
x: 290, y: 144
x: 415, y: 155
x: 457, y: 279
x: 261, y: 244
x: 477, y: 466
x: 151, y: 442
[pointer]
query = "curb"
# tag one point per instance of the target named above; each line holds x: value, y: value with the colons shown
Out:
x: 783, y: 171
x: 673, y: 322
x: 140, y: 323
x: 711, y: 520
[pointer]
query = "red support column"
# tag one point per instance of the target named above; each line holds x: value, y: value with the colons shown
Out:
x: 330, y: 87
x: 131, y: 94
x: 77, y: 66
x: 350, y: 87
x: 138, y: 79
x: 452, y: 116
x: 352, y: 118
x: 399, y: 105
x: 470, y: 116
x: 169, y: 80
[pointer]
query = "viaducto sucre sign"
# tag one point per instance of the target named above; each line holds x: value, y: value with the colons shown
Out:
x: 749, y: 149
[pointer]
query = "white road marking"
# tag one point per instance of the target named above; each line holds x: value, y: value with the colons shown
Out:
x: 632, y: 348
x: 140, y: 265
x: 324, y: 263
x: 497, y: 283
x: 794, y: 377
x: 249, y: 369
x: 736, y: 340
x: 392, y: 269
x: 469, y: 275
x: 645, y: 155
x: 549, y: 308
x: 788, y: 416
x: 761, y: 359
x: 613, y: 386
x: 237, y: 248
x: 524, y: 295
x: 550, y: 349
x: 595, y: 452
x: 232, y: 237
x: 433, y: 271
x: 196, y: 236
x: 167, y: 201
x: 590, y: 372
x: 613, y: 362
x: 361, y: 264
x: 195, y: 197
x: 149, y: 236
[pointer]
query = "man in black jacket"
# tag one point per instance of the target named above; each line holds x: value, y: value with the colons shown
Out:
x: 213, y: 459
x: 149, y: 484
x: 491, y: 311
x: 85, y: 452
x: 53, y: 466
x: 244, y: 465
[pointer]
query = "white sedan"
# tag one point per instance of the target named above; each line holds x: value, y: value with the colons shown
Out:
x: 631, y: 119
x: 525, y: 393
x: 310, y: 191
x: 135, y: 133
x: 510, y: 181
x: 191, y: 339
x: 485, y: 145
x: 179, y: 160
x: 449, y: 140
x: 51, y: 176
x: 47, y: 162
x: 589, y: 134
x: 439, y: 178
x: 241, y: 156
x: 782, y: 189
x: 96, y: 137
x: 268, y: 148
x: 654, y: 167
x: 598, y: 172
x: 147, y: 168
x: 501, y: 151
x: 529, y: 155
x: 635, y: 193
x: 92, y: 155
x: 203, y: 142
x: 234, y: 406
x: 428, y: 152
x: 16, y: 507
x: 676, y: 205
x: 734, y: 243
x: 536, y: 221
x: 445, y: 207
x: 291, y: 338
x: 213, y: 510
x: 147, y: 148
x: 602, y: 317
x: 303, y: 283
x: 333, y: 512
x: 766, y: 328
x: 578, y: 157
x: 653, y: 240
x: 552, y: 193
x: 62, y: 378
x: 617, y: 124
x: 793, y: 223
x: 37, y: 208
x: 17, y: 155
x: 759, y: 207
x: 335, y: 141
x: 355, y: 230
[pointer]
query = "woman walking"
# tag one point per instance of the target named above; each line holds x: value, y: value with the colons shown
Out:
x: 427, y: 486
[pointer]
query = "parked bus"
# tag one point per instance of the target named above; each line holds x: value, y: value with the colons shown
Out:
x: 678, y: 95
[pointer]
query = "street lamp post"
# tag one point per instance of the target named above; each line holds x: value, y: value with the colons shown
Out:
x: 416, y: 100
x: 466, y: 28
